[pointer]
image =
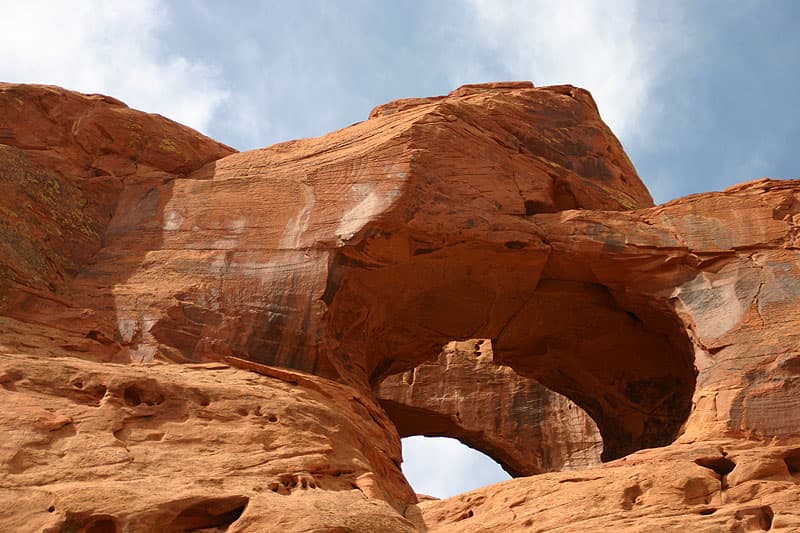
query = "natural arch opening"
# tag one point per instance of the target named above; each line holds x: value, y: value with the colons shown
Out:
x: 623, y: 356
x: 524, y: 426
x: 443, y: 467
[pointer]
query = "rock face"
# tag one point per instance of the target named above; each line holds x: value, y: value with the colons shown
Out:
x: 91, y: 447
x: 298, y: 285
x: 521, y: 424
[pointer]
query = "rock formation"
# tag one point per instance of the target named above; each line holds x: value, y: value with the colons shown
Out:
x: 192, y: 338
x: 464, y: 394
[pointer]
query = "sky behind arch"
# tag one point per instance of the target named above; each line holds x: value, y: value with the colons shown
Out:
x: 703, y: 94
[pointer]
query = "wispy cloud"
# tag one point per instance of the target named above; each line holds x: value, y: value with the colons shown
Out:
x: 616, y: 49
x: 111, y: 48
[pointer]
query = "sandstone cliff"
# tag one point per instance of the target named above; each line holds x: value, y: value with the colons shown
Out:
x: 197, y: 339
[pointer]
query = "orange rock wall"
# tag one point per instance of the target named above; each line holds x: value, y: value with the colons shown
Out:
x: 292, y: 282
x: 464, y: 394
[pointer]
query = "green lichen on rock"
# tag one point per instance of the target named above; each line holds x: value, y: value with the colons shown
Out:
x: 28, y: 257
x: 45, y: 221
x: 57, y: 199
x: 137, y: 142
x: 168, y: 145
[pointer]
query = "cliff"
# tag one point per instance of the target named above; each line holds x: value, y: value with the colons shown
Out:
x: 193, y: 338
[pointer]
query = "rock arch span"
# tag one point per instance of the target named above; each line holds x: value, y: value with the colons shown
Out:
x: 525, y: 427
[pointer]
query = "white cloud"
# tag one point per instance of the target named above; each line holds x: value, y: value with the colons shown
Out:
x: 613, y: 48
x: 107, y: 47
x: 444, y: 467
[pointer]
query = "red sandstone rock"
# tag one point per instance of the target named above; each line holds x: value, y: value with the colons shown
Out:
x: 500, y: 212
x: 521, y: 424
x: 67, y: 161
x: 677, y: 488
x: 103, y: 447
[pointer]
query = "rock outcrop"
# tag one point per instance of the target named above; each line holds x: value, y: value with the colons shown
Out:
x: 521, y: 424
x: 293, y: 282
x: 108, y: 447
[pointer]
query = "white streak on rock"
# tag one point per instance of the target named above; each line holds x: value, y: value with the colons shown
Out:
x: 173, y: 221
x: 297, y: 225
x: 372, y: 204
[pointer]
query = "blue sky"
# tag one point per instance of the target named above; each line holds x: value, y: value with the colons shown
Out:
x: 703, y: 94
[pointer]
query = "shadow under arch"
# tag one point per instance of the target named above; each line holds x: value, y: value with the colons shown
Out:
x: 625, y: 358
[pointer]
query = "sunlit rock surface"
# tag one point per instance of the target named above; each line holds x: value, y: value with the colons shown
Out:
x: 191, y: 338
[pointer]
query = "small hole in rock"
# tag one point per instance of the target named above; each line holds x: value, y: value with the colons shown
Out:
x: 132, y: 397
x: 102, y: 524
x: 634, y: 317
x: 630, y: 497
x: 99, y: 337
x: 721, y: 465
x: 766, y: 516
x: 465, y: 515
x: 210, y: 513
x: 94, y: 394
x: 707, y: 511
x: 273, y: 418
x: 51, y: 509
x: 135, y: 395
x: 534, y: 206
x: 793, y: 462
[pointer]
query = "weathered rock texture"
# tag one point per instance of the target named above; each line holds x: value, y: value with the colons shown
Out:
x: 93, y: 447
x: 521, y: 424
x: 322, y: 267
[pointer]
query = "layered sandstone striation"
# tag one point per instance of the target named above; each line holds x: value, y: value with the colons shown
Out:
x: 275, y: 305
x: 465, y: 394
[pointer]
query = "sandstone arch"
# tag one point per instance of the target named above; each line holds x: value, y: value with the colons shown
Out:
x: 525, y: 427
x: 499, y: 211
x: 625, y: 358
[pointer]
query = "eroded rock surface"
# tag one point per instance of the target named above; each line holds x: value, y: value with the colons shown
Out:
x: 521, y: 424
x: 106, y: 447
x: 321, y: 267
x: 726, y: 485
